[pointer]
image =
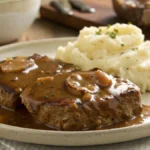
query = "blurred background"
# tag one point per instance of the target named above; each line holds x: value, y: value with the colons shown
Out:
x: 53, y: 22
x: 44, y: 27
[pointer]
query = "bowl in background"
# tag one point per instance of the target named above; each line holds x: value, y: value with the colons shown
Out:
x: 15, y: 17
x: 135, y: 11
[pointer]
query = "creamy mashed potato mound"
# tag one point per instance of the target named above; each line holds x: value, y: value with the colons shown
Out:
x: 119, y: 50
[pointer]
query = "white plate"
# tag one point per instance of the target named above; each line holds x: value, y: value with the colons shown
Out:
x: 79, y: 138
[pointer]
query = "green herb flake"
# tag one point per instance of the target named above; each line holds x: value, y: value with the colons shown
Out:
x: 46, y: 96
x: 108, y: 26
x: 38, y: 84
x: 129, y: 23
x: 122, y: 45
x: 99, y: 32
x: 112, y: 35
x: 127, y: 68
x: 134, y: 49
x: 115, y: 30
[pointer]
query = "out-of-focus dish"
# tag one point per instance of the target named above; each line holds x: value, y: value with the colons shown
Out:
x: 135, y: 11
x: 15, y: 17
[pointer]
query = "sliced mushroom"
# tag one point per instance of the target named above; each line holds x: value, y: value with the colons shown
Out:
x: 87, y: 82
x: 103, y: 79
x: 80, y: 83
x: 17, y: 64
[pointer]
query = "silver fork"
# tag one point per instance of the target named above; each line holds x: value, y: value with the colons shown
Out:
x: 62, y: 6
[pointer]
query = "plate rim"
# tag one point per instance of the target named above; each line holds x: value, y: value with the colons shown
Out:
x: 68, y: 133
x: 24, y: 43
x: 146, y: 125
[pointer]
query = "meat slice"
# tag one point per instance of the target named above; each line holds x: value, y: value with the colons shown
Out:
x: 19, y: 72
x: 82, y: 100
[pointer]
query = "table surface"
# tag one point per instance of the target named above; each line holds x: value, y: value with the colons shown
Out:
x: 42, y: 29
x: 141, y: 144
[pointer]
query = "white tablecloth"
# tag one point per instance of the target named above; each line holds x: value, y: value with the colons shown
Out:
x: 141, y: 144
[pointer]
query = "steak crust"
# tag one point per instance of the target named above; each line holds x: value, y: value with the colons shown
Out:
x: 82, y: 100
x: 8, y: 99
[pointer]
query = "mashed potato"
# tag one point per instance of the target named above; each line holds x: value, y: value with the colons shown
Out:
x: 118, y: 49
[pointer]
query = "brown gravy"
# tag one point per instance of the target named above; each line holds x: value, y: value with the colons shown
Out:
x: 17, y: 81
x: 142, y: 118
x: 22, y: 118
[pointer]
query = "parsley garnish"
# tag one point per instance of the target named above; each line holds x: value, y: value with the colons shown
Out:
x: 38, y: 84
x: 46, y: 96
x: 108, y: 26
x: 122, y: 45
x: 134, y: 48
x: 112, y: 35
x: 115, y: 30
x: 99, y: 32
